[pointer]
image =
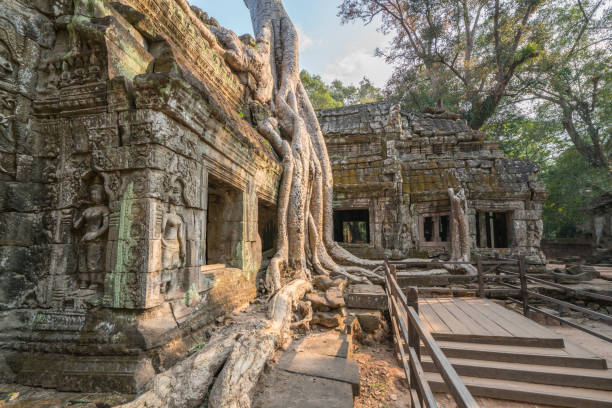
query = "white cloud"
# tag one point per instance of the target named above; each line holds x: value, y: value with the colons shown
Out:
x: 306, y: 42
x: 351, y: 67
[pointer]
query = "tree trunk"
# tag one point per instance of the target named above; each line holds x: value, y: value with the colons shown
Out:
x: 305, y: 233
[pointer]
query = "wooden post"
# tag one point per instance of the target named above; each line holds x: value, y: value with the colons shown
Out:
x: 393, y: 270
x: 481, y: 289
x: 412, y: 298
x: 523, y: 277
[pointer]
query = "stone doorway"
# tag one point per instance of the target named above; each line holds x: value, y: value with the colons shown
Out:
x: 352, y: 226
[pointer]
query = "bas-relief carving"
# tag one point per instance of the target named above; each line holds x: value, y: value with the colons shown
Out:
x: 387, y: 235
x: 93, y: 223
x: 8, y: 104
x: 405, y: 240
x: 173, y: 235
x: 7, y: 65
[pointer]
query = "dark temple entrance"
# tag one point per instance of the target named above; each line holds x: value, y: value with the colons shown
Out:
x: 352, y: 226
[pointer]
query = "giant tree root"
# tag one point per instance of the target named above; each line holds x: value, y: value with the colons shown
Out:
x: 232, y: 361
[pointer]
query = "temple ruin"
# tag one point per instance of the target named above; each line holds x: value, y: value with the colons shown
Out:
x: 140, y: 193
x: 131, y: 190
x: 392, y: 175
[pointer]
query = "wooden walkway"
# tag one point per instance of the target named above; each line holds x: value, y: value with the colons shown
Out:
x: 477, y: 320
x: 501, y: 354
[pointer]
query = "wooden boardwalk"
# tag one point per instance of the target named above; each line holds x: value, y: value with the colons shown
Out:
x: 479, y: 320
x: 501, y: 354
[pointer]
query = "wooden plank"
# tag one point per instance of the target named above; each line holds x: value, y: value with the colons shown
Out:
x: 434, y: 321
x: 511, y: 321
x: 555, y: 395
x: 521, y: 321
x: 525, y: 355
x: 464, y: 318
x: 451, y: 321
x: 521, y: 327
x: 421, y: 383
x: 492, y: 327
x: 428, y: 326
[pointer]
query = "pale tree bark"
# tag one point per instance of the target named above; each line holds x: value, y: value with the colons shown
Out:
x: 305, y: 226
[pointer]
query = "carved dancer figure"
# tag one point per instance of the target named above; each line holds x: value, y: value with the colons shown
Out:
x: 173, y: 237
x: 95, y: 221
x: 460, y: 243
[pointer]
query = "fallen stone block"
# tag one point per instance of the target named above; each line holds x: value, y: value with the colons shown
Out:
x: 364, y: 296
x: 369, y: 320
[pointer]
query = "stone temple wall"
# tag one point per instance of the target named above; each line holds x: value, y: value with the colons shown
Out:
x: 117, y: 122
x: 399, y: 165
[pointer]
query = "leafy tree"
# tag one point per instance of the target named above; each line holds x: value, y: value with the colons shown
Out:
x: 319, y: 92
x: 535, y: 138
x: 571, y: 181
x: 477, y: 45
x: 572, y: 80
x: 336, y: 94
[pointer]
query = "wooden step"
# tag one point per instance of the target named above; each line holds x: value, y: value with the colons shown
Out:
x: 571, y: 355
x: 571, y: 397
x: 534, y: 374
x: 500, y: 340
x: 483, y: 321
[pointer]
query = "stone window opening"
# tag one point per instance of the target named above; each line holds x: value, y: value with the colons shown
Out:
x: 434, y: 229
x: 224, y: 225
x: 493, y: 229
x: 352, y: 226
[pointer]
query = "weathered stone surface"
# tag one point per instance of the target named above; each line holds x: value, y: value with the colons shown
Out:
x: 369, y: 320
x: 334, y: 298
x: 323, y: 282
x: 330, y: 319
x: 398, y: 166
x: 283, y: 389
x: 318, y: 301
x: 125, y: 168
x: 366, y: 297
x: 333, y: 368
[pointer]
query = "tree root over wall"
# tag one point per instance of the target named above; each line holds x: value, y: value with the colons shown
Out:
x: 304, y: 242
x: 228, y: 368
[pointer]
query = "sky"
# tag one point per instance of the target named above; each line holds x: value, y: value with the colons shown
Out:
x: 327, y: 48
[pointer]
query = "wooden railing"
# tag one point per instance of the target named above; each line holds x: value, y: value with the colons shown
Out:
x: 409, y: 331
x: 484, y: 274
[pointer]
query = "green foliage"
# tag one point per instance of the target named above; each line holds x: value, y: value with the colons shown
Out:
x: 318, y: 92
x: 465, y: 53
x: 336, y: 94
x: 537, y: 139
x: 571, y: 79
x: 570, y: 182
x: 197, y: 348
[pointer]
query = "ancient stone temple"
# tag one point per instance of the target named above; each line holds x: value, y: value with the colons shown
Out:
x: 133, y: 191
x: 425, y: 184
